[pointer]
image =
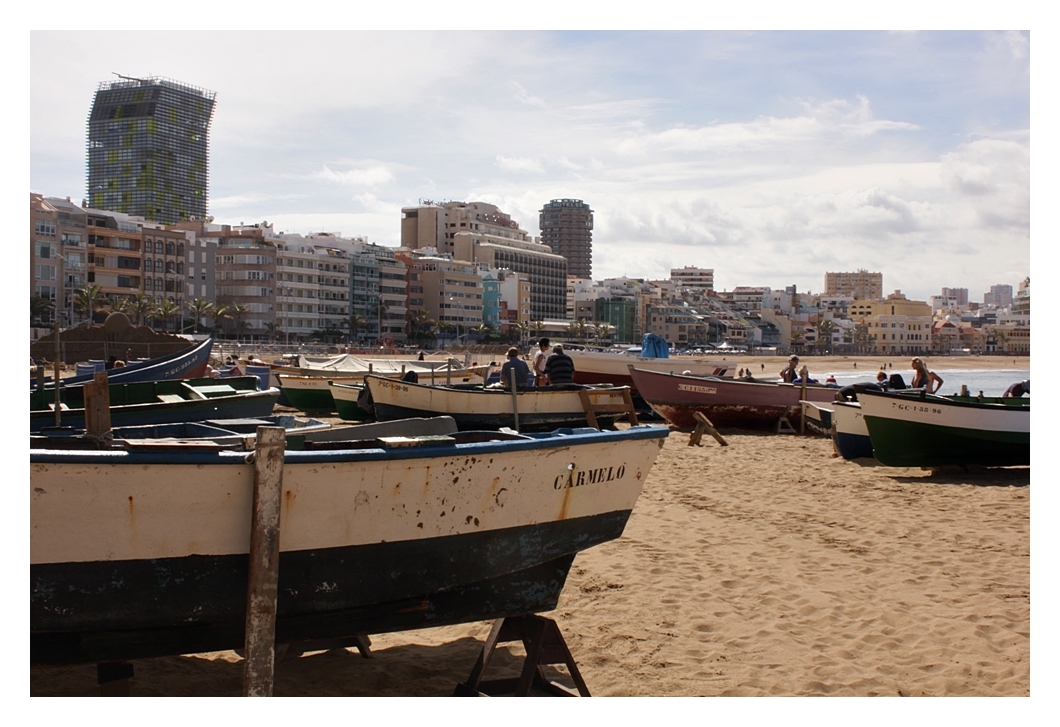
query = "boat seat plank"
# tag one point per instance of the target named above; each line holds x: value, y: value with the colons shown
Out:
x: 171, y: 398
x: 62, y: 406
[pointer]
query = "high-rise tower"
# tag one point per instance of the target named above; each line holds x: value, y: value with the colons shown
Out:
x: 567, y: 228
x: 148, y: 149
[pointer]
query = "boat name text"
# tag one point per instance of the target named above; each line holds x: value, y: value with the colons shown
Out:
x: 698, y: 389
x: 589, y: 477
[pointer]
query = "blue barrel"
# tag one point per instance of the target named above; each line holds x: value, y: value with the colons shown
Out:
x: 262, y: 372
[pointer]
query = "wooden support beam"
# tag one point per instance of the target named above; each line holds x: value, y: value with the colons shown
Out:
x: 544, y: 645
x: 264, y: 565
x: 704, y: 425
x: 97, y: 405
x: 515, y: 397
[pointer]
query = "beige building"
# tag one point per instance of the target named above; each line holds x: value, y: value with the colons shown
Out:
x: 894, y: 325
x: 862, y: 285
x: 477, y: 232
x: 448, y: 291
x: 693, y: 277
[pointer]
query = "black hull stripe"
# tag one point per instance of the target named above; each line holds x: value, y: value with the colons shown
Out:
x: 368, y: 588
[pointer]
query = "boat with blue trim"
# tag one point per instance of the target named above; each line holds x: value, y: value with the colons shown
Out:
x: 138, y: 554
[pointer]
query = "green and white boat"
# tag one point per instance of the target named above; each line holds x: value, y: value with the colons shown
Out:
x: 916, y: 429
x: 312, y: 393
x: 346, y: 397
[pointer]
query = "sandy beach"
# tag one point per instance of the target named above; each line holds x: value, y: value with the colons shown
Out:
x: 768, y: 567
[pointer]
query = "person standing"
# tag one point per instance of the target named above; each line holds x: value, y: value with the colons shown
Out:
x: 516, y: 364
x: 789, y: 372
x: 922, y: 378
x: 540, y: 359
x: 560, y: 367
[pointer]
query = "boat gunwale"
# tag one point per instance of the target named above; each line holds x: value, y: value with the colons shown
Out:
x: 430, y: 450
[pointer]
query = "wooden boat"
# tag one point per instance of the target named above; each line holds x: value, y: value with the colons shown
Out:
x: 159, y: 402
x: 726, y: 402
x: 475, y: 407
x: 187, y: 364
x: 818, y: 417
x: 312, y: 393
x: 347, y: 399
x: 348, y: 366
x: 139, y: 554
x: 601, y: 367
x: 916, y: 429
x: 851, y: 437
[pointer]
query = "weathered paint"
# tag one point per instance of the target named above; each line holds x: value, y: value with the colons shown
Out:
x: 354, y: 541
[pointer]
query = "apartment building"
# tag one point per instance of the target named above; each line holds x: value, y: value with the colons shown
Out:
x: 692, y: 277
x: 678, y: 325
x: 477, y: 232
x: 567, y: 228
x: 894, y: 325
x: 148, y: 148
x: 59, y: 256
x: 861, y: 284
x: 448, y: 291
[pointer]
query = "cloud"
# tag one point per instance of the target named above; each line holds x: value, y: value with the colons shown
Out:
x: 834, y: 118
x: 524, y: 97
x: 520, y: 164
x: 367, y: 177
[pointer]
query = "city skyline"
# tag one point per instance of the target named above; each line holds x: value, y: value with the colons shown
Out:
x: 770, y: 157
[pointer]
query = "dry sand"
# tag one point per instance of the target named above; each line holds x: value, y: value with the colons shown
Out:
x: 768, y: 567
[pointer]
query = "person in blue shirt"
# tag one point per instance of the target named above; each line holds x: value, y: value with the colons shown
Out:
x: 516, y: 364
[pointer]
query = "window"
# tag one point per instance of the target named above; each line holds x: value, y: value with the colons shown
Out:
x: 147, y: 284
x: 45, y: 250
x: 45, y: 228
x: 46, y: 272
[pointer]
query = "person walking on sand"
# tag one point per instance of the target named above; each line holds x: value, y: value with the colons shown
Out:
x: 540, y: 358
x: 922, y: 378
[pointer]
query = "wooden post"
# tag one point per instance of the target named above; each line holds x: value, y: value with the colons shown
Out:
x: 58, y: 376
x: 264, y: 563
x: 97, y: 405
x: 40, y: 377
x: 515, y: 398
x: 805, y: 374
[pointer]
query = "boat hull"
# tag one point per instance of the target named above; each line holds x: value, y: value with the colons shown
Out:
x: 345, y: 397
x: 143, y: 554
x: 592, y: 368
x: 539, y: 409
x: 240, y: 404
x: 307, y: 393
x: 851, y: 436
x: 187, y: 364
x: 725, y: 402
x: 933, y: 431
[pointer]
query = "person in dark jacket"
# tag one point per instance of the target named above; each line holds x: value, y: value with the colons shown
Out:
x: 516, y: 364
x: 559, y: 367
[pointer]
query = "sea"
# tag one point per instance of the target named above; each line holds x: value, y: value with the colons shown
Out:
x: 990, y: 382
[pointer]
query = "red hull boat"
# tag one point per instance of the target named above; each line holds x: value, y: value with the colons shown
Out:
x: 726, y: 402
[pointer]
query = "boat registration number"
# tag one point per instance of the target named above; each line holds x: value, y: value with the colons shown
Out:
x: 698, y: 389
x: 917, y: 408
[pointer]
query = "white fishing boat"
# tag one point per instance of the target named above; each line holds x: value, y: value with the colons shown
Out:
x: 137, y: 554
x: 475, y: 407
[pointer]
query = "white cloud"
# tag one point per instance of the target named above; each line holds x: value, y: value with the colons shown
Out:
x: 366, y: 177
x: 524, y: 97
x: 520, y: 164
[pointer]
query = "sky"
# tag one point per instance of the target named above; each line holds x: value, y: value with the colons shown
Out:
x: 771, y: 157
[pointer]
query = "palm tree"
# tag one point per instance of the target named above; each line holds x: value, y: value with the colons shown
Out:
x: 270, y: 331
x: 167, y: 309
x: 236, y: 312
x: 200, y: 308
x: 88, y: 299
x: 40, y: 309
x: 824, y: 334
x: 537, y: 327
x: 861, y: 337
x: 523, y: 327
x: 221, y: 313
x: 356, y: 323
x: 483, y: 330
x: 575, y: 329
x: 444, y: 328
x: 121, y: 304
x: 603, y: 330
x: 140, y: 306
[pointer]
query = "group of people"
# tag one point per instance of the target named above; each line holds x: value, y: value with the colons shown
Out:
x: 923, y: 378
x: 549, y: 364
